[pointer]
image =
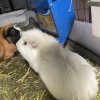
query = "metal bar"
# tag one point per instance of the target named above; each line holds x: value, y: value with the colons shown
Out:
x: 90, y: 18
x: 77, y: 9
x: 84, y: 10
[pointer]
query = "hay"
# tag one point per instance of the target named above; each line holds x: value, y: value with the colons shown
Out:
x: 19, y: 82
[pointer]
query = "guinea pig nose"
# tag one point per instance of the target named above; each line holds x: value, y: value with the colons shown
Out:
x: 25, y: 43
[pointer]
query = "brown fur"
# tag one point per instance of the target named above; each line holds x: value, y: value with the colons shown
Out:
x: 7, y: 49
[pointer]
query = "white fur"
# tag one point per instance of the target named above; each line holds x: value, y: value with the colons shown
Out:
x: 67, y: 75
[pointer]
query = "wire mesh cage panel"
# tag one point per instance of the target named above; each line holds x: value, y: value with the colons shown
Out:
x: 82, y: 10
x: 4, y: 6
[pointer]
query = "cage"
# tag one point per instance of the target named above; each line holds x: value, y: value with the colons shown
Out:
x: 18, y: 4
x: 4, y: 6
x: 82, y: 10
x: 86, y: 31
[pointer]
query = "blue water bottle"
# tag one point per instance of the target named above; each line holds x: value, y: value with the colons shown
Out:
x: 56, y: 16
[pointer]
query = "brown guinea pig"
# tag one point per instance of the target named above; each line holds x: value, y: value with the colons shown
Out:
x: 7, y: 50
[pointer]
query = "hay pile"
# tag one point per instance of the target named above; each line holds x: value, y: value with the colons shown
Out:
x: 19, y: 82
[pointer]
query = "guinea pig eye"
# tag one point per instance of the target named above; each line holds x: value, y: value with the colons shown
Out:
x: 25, y: 43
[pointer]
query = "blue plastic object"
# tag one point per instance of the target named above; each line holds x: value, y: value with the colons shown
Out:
x: 62, y: 12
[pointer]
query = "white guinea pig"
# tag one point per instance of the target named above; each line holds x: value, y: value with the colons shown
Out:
x: 66, y: 75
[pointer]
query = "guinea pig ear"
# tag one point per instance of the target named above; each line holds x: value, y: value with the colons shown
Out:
x: 32, y: 21
x: 34, y: 44
x: 17, y: 28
